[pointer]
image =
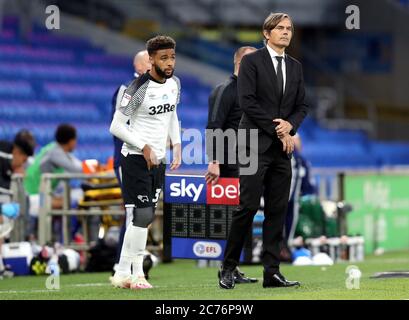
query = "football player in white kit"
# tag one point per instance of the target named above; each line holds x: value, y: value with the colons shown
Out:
x: 149, y: 103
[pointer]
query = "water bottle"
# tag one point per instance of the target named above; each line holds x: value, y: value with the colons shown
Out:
x: 53, y: 268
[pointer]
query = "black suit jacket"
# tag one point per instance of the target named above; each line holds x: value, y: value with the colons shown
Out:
x: 259, y: 97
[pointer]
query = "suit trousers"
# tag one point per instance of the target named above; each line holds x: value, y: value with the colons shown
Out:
x: 272, y: 180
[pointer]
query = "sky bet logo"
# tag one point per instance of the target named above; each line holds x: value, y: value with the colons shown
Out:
x: 193, y: 189
x: 226, y: 192
x: 187, y: 189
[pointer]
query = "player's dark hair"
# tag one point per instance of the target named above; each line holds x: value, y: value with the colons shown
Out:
x: 160, y: 43
x: 65, y: 133
x: 25, y: 141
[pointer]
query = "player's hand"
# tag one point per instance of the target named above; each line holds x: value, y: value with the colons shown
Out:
x: 213, y: 173
x: 150, y: 157
x: 283, y: 127
x: 177, y: 157
x: 288, y: 143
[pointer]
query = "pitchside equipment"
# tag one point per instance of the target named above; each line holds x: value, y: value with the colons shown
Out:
x: 197, y: 216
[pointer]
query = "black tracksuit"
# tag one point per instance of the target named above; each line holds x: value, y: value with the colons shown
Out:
x: 224, y: 113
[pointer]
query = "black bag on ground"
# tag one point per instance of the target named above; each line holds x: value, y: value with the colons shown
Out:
x: 101, y: 257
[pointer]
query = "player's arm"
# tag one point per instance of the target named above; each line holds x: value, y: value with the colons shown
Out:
x: 174, y: 129
x: 174, y: 135
x: 66, y: 161
x: 126, y: 104
x: 174, y: 126
x: 174, y: 132
x: 119, y: 129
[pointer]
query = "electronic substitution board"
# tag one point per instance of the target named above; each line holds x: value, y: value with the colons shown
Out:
x: 197, y: 216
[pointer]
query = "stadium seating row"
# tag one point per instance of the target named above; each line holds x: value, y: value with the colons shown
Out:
x: 51, y: 79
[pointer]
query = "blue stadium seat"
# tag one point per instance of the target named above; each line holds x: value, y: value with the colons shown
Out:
x: 78, y: 93
x: 15, y: 89
x: 390, y: 153
x: 18, y: 53
x: 8, y: 37
x: 59, y: 72
x: 48, y: 111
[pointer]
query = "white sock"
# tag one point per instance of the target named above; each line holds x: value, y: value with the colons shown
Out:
x: 123, y: 267
x: 141, y: 236
x: 133, y: 251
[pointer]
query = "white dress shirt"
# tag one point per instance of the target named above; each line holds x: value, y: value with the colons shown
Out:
x: 274, y: 54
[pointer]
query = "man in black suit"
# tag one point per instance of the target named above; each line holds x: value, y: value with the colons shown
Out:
x: 225, y: 115
x: 271, y: 94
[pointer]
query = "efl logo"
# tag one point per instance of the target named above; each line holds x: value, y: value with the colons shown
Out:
x: 204, y: 249
x: 226, y: 191
x: 185, y: 189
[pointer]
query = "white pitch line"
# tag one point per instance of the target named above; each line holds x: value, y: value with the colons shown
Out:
x: 46, y: 291
x: 26, y: 291
x: 103, y: 284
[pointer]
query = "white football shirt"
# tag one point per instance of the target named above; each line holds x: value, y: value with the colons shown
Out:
x: 151, y: 108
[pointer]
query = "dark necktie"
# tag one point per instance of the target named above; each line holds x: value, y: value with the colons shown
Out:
x: 280, y: 81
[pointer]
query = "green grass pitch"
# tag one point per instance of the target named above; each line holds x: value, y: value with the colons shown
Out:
x: 183, y: 280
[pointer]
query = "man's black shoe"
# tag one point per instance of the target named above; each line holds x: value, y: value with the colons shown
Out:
x: 277, y: 280
x: 239, y: 277
x: 226, y: 279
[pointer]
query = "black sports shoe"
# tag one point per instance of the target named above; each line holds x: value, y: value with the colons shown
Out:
x: 226, y: 280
